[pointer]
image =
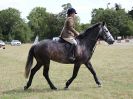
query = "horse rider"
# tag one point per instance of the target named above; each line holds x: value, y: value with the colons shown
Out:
x: 69, y: 33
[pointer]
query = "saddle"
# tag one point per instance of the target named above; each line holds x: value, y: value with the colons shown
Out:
x: 61, y: 40
x: 68, y: 46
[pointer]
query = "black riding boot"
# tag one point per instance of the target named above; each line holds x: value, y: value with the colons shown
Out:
x: 71, y: 53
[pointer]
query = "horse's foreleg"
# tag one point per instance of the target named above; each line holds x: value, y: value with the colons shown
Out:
x: 33, y: 71
x: 89, y: 66
x: 75, y: 72
x: 46, y: 75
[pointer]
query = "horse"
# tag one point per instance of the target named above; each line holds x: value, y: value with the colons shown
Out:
x: 48, y: 49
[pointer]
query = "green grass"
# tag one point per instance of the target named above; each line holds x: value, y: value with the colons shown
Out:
x: 113, y: 65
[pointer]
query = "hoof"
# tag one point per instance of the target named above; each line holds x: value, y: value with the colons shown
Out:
x: 65, y: 88
x: 54, y: 88
x: 99, y: 85
x: 25, y: 88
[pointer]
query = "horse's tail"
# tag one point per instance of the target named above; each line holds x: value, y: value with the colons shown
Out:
x: 29, y: 61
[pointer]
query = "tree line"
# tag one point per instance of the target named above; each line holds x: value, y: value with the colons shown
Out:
x: 119, y: 22
x: 48, y: 25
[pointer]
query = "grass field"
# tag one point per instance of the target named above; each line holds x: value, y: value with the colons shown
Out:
x: 113, y: 65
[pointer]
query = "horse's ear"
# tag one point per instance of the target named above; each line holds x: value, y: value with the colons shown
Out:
x: 103, y: 23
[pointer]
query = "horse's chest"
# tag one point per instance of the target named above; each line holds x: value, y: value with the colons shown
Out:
x: 81, y: 52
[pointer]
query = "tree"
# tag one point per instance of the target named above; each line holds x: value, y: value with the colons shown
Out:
x: 117, y: 7
x: 1, y: 36
x: 38, y: 19
x: 83, y: 27
x: 22, y: 32
x: 8, y: 19
x: 54, y: 25
x: 117, y: 21
x: 12, y: 26
x: 63, y: 13
x: 131, y: 13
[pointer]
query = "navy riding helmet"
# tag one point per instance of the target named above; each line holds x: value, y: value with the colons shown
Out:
x: 71, y: 10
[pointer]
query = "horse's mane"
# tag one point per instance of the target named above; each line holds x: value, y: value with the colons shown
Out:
x: 84, y: 34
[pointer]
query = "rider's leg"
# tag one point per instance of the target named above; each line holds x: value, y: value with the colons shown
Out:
x: 71, y: 53
x: 72, y: 48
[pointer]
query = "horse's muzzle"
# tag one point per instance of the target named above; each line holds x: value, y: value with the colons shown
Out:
x: 110, y: 41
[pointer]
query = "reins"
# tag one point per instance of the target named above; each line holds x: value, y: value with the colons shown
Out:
x: 95, y: 44
x: 94, y: 47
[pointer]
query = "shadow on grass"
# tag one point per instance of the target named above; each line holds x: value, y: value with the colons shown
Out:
x: 19, y: 91
x: 48, y: 90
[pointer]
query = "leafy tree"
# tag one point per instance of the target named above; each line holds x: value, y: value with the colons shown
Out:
x: 22, y: 32
x: 54, y: 26
x: 117, y: 7
x: 38, y: 19
x: 117, y: 21
x: 63, y: 13
x: 8, y: 19
x: 12, y: 26
x: 83, y: 27
x: 1, y: 36
x: 131, y: 13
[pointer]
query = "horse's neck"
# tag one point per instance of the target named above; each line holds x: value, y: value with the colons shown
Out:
x: 91, y: 39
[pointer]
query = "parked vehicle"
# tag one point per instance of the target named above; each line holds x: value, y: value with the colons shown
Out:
x: 15, y: 43
x: 2, y: 43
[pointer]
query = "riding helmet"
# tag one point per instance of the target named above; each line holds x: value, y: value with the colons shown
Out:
x: 71, y: 10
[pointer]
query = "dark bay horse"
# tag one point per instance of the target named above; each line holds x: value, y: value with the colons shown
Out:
x: 47, y: 50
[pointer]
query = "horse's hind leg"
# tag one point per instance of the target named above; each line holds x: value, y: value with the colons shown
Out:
x: 89, y: 66
x: 46, y: 75
x: 33, y: 71
x: 75, y: 72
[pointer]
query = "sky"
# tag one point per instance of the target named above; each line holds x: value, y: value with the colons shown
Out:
x: 83, y: 7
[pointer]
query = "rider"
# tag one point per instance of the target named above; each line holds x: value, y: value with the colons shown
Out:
x: 68, y: 32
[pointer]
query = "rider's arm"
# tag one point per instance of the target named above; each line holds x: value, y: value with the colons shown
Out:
x: 71, y: 26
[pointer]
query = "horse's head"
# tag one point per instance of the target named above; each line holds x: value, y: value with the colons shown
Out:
x: 105, y: 34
